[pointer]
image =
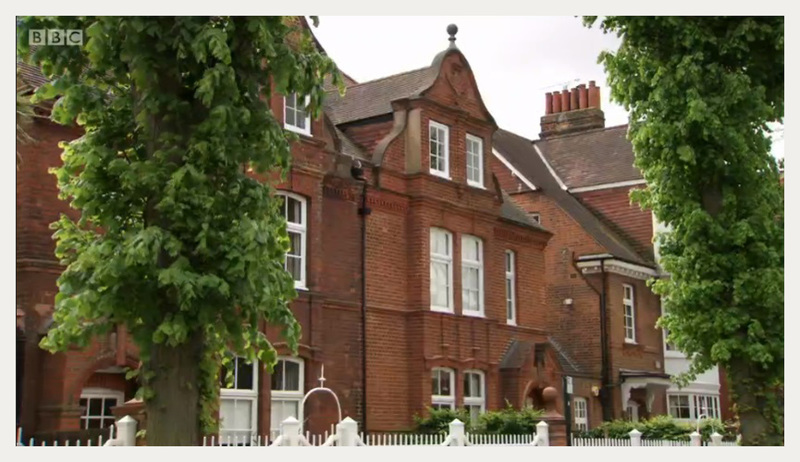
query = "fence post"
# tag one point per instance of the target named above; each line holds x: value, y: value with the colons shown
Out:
x: 456, y: 435
x: 126, y: 431
x: 696, y: 439
x: 347, y: 431
x: 636, y: 437
x: 543, y: 433
x: 290, y: 430
x: 716, y: 439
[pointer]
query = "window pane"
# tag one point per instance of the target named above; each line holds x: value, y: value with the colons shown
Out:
x: 108, y: 403
x: 280, y: 411
x: 440, y: 242
x: 294, y: 212
x: 474, y: 413
x: 292, y: 376
x: 94, y: 423
x: 290, y: 118
x: 96, y: 407
x: 444, y: 383
x: 83, y: 404
x: 277, y: 376
x: 435, y: 389
x: 439, y: 289
x: 244, y: 375
x: 226, y: 413
x: 301, y: 119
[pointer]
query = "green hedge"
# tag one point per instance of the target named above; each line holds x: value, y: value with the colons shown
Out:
x: 507, y: 421
x: 661, y: 427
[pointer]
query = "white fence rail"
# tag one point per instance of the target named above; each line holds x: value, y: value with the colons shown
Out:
x: 635, y: 439
x: 346, y: 434
x: 125, y: 435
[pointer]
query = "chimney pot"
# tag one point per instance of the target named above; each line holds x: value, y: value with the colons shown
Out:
x: 594, y: 95
x: 583, y: 96
x: 548, y: 103
x: 565, y: 100
x: 556, y: 102
x: 573, y: 99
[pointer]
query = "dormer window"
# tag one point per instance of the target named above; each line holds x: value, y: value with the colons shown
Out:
x: 295, y: 117
x: 474, y: 161
x: 439, y: 136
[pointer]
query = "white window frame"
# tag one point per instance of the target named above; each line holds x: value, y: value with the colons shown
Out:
x: 303, y: 131
x: 695, y: 407
x: 475, y: 401
x: 445, y: 259
x: 300, y: 229
x: 236, y: 395
x: 444, y: 400
x: 289, y: 395
x: 470, y: 140
x: 475, y: 265
x: 432, y: 125
x: 580, y: 414
x: 99, y: 393
x: 511, y: 289
x: 629, y: 313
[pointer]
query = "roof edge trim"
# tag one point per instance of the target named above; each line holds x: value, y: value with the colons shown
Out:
x: 598, y: 187
x: 516, y: 172
x: 549, y: 167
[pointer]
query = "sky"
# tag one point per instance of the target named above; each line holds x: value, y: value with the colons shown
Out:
x: 516, y: 60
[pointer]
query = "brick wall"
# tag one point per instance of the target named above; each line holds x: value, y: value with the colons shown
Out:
x: 577, y: 327
x: 405, y: 338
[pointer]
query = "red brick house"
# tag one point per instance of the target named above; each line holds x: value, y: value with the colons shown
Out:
x: 576, y: 180
x: 457, y: 308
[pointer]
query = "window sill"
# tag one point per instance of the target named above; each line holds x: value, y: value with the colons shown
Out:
x: 476, y: 185
x: 511, y: 322
x: 631, y: 342
x: 299, y: 131
x: 437, y: 309
x: 301, y: 288
x: 442, y: 175
x: 473, y: 314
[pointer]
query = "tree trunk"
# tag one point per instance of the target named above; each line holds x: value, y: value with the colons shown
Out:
x: 757, y: 419
x: 175, y: 386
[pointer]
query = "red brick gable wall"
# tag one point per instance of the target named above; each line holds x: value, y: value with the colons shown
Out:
x: 614, y: 207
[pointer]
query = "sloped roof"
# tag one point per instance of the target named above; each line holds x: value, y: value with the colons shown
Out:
x: 519, y: 350
x: 591, y: 158
x: 511, y: 211
x: 374, y: 98
x: 31, y: 75
x: 521, y: 154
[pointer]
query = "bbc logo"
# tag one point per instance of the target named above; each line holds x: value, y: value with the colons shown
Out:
x: 56, y: 37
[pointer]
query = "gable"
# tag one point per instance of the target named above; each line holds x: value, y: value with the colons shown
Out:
x: 455, y: 86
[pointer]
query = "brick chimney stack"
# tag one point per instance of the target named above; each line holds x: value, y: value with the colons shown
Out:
x: 572, y: 111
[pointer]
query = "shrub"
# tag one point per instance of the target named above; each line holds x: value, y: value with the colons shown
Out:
x: 661, y: 427
x: 438, y: 420
x: 507, y: 421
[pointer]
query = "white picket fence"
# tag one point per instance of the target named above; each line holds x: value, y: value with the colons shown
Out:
x: 121, y: 434
x: 346, y: 434
x: 635, y: 439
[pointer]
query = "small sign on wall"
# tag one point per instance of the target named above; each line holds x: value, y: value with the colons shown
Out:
x: 568, y: 383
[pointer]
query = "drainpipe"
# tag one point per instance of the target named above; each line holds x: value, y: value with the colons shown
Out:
x: 357, y: 172
x: 605, y: 389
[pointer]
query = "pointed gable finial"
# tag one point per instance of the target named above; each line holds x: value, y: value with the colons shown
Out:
x: 452, y: 30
